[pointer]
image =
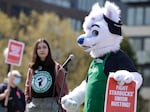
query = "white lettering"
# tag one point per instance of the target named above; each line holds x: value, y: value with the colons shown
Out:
x: 120, y: 104
x: 119, y: 87
x: 121, y: 93
x: 118, y: 98
x: 14, y: 50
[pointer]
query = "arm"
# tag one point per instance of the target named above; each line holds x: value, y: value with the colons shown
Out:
x: 28, y: 86
x: 60, y: 75
x: 4, y: 94
x: 74, y: 99
x: 3, y: 91
x: 59, y: 82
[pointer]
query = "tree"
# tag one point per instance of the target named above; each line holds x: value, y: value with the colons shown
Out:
x: 126, y: 47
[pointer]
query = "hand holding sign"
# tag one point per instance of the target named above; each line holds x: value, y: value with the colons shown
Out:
x: 120, y: 97
x: 122, y: 77
x: 13, y: 56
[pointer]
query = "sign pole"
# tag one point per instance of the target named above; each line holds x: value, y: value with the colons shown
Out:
x: 13, y: 56
x: 8, y: 86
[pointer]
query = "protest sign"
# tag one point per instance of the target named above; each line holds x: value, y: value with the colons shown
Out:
x: 120, y: 98
x: 15, y: 52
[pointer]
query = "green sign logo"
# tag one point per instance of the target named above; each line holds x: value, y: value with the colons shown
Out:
x: 41, y: 81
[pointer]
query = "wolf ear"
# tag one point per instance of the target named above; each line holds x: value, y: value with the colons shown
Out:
x: 96, y: 9
x: 112, y: 17
x: 96, y: 6
x: 112, y: 11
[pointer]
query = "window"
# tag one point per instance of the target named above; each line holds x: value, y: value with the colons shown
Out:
x: 141, y: 46
x: 146, y: 77
x: 87, y: 4
x: 3, y: 6
x: 147, y: 15
x: 134, y: 0
x: 147, y: 44
x: 130, y: 17
x: 64, y: 3
x: 137, y: 43
x: 138, y: 15
x: 76, y: 24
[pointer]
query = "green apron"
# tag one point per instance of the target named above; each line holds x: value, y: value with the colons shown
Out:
x: 96, y: 86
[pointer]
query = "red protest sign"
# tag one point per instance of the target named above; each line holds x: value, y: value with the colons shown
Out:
x: 15, y: 52
x: 120, y: 98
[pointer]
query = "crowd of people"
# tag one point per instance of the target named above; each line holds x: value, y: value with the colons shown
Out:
x: 43, y: 87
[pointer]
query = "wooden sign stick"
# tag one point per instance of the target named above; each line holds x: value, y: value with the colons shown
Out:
x: 8, y: 86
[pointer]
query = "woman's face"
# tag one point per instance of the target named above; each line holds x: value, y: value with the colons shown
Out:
x: 42, y: 50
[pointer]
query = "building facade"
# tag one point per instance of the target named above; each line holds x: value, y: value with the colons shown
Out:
x: 137, y: 28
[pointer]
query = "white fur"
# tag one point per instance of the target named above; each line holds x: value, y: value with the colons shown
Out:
x: 105, y: 42
x: 72, y: 102
x: 123, y: 76
x: 112, y: 11
x: 96, y: 14
x: 138, y: 79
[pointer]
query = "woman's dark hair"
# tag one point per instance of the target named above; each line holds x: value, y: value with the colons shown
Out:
x: 49, y: 62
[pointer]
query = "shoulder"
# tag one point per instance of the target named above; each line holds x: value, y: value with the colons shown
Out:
x: 122, y: 61
x: 119, y: 56
x: 31, y: 71
x: 3, y: 86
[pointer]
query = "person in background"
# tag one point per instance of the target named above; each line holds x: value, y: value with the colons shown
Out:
x: 16, y: 98
x: 44, y: 80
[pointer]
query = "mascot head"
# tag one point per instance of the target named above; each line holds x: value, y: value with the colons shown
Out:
x: 102, y: 29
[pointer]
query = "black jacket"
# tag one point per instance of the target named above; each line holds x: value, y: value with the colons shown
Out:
x: 16, y: 100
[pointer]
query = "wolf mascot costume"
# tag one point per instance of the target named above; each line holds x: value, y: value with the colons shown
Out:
x: 102, y: 40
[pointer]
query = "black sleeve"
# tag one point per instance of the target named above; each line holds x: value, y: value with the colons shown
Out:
x: 3, y: 86
x: 119, y: 61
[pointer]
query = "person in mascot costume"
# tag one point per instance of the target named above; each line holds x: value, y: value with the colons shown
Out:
x: 102, y: 40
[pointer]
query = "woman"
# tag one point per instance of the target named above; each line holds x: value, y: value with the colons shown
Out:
x: 44, y: 80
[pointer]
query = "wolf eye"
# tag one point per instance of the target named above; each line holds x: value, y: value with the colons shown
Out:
x: 94, y: 32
